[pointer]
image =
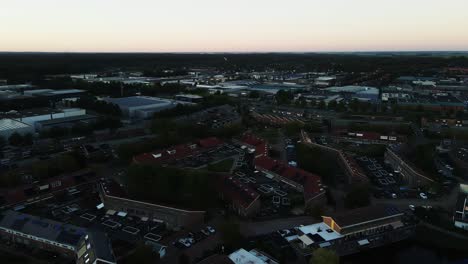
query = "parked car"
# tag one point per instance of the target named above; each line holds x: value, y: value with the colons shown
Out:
x: 211, y: 229
x: 423, y: 196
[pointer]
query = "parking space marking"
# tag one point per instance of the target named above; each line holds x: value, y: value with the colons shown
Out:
x: 153, y: 237
x: 89, y: 217
x: 131, y: 230
x: 110, y: 223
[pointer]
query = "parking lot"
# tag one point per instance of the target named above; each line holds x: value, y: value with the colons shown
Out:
x: 381, y: 175
x: 85, y: 210
x: 277, y: 198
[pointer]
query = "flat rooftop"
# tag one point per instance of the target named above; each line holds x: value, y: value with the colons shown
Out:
x: 42, y: 228
x: 137, y: 101
x: 7, y: 124
x: 320, y: 231
x: 242, y: 256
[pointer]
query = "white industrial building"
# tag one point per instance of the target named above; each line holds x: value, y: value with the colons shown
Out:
x: 141, y: 106
x: 31, y: 117
x: 9, y: 126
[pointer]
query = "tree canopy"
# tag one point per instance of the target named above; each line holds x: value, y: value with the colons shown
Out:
x: 324, y: 256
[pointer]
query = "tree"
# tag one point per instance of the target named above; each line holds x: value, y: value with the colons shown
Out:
x: 284, y: 97
x: 2, y: 141
x: 358, y: 196
x: 230, y: 233
x: 324, y: 256
x: 184, y: 259
x: 254, y: 94
x: 15, y: 139
x: 332, y: 104
x: 143, y: 254
x: 28, y: 139
x: 321, y: 105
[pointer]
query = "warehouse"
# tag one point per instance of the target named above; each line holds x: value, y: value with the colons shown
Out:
x: 363, y: 93
x: 31, y: 117
x: 9, y: 126
x: 141, y: 107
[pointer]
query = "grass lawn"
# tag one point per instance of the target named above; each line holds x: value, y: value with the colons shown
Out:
x: 222, y: 166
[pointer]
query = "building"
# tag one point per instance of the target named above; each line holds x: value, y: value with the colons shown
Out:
x: 434, y: 102
x: 254, y: 256
x: 352, y: 231
x: 191, y: 98
x: 65, y: 122
x: 141, y: 107
x: 83, y: 245
x: 305, y: 182
x: 214, y: 117
x: 9, y: 126
x: 319, y: 234
x: 242, y: 199
x: 116, y: 200
x: 363, y: 93
x: 347, y: 163
x: 325, y: 81
x: 364, y: 220
x: 460, y: 216
x: 253, y: 142
x: 33, y: 116
x: 175, y: 153
x: 409, y: 173
x: 16, y: 87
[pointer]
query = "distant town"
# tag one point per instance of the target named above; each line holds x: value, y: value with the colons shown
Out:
x: 233, y: 158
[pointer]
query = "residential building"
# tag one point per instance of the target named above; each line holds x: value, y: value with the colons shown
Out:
x: 242, y: 199
x: 116, y: 200
x: 411, y: 175
x: 460, y: 217
x: 175, y: 153
x: 83, y: 245
x: 305, y: 182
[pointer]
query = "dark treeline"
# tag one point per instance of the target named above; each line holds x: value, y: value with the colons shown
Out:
x: 32, y: 66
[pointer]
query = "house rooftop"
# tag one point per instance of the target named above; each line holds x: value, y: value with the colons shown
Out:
x: 42, y: 228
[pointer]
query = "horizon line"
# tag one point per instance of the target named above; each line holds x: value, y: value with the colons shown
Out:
x: 238, y: 52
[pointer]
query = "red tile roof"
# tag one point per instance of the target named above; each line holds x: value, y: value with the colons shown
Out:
x: 238, y: 192
x: 177, y: 152
x: 261, y: 146
x: 210, y: 142
x: 310, y: 181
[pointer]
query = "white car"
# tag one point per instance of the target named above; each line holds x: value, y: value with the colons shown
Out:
x: 423, y: 196
x: 185, y: 242
x: 412, y: 207
x: 211, y: 229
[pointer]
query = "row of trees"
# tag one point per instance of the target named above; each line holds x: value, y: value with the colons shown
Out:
x: 81, y: 129
x: 17, y: 139
x: 101, y: 107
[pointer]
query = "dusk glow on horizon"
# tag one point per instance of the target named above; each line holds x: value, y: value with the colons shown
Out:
x: 233, y: 26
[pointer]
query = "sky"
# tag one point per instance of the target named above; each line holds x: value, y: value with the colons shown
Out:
x: 233, y: 25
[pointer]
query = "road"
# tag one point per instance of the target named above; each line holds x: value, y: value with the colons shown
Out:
x: 266, y: 227
x: 446, y: 202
